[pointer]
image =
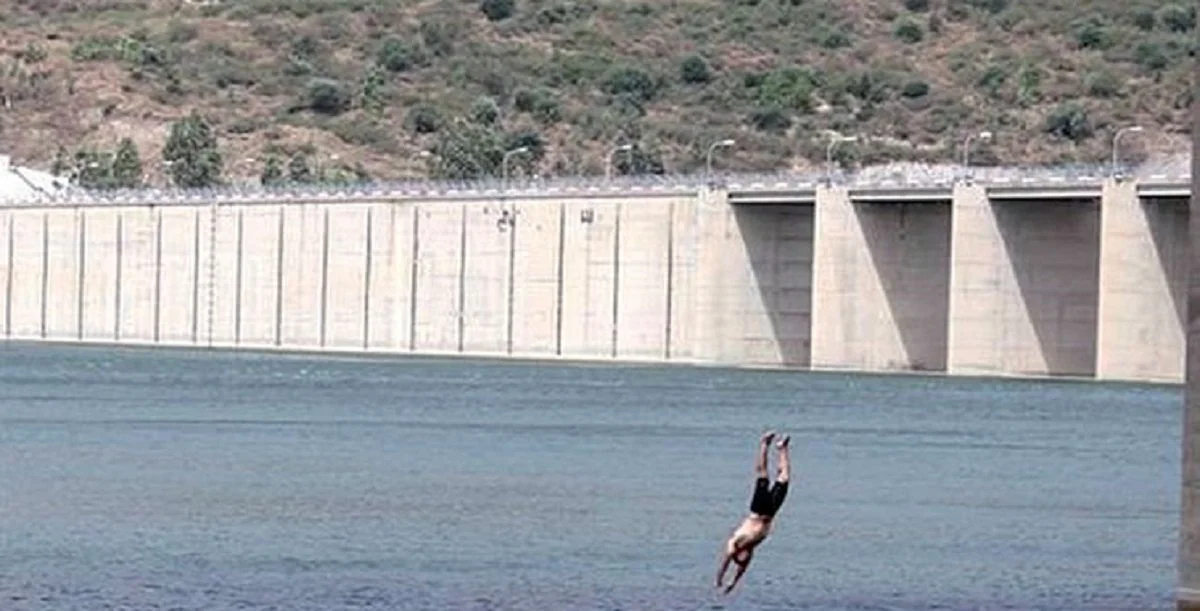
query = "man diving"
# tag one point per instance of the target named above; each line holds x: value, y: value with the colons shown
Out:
x: 765, y: 503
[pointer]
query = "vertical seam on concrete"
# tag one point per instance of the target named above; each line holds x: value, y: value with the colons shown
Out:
x: 412, y: 281
x: 324, y: 272
x: 462, y: 272
x: 45, y: 267
x: 279, y: 277
x: 196, y: 276
x: 558, y: 304
x: 81, y: 227
x: 367, y: 283
x: 616, y: 280
x: 512, y: 258
x: 8, y: 281
x: 117, y: 284
x: 237, y: 294
x: 157, y: 273
x: 212, y: 268
x: 670, y: 278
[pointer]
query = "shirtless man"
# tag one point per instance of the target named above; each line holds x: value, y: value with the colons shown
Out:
x: 739, y: 549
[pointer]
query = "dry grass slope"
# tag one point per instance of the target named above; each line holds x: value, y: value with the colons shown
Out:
x: 375, y: 82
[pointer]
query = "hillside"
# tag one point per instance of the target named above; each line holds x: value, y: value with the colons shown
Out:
x: 374, y: 82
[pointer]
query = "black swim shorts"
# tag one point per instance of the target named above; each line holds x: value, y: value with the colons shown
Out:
x: 767, y: 497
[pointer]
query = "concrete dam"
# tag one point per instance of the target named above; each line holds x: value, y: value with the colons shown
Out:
x: 1082, y: 278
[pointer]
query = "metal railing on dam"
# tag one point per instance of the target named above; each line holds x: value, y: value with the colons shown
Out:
x: 897, y: 176
x: 960, y: 276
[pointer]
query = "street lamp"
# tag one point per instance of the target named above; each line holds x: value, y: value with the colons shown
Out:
x: 837, y: 139
x: 504, y: 162
x: 608, y: 163
x: 1116, y: 139
x: 713, y: 147
x: 985, y: 136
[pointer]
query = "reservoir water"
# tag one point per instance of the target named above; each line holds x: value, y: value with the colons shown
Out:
x: 162, y: 479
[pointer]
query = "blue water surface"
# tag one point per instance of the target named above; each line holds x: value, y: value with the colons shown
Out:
x: 163, y: 479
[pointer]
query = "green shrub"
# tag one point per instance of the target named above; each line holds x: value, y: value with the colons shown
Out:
x: 328, y: 96
x: 399, y: 56
x: 485, y: 111
x: 540, y: 103
x: 871, y: 86
x: 1102, y: 84
x: 1177, y: 18
x: 834, y: 38
x: 423, y: 119
x: 632, y: 82
x: 497, y: 10
x: 1092, y: 33
x: 992, y: 79
x: 908, y: 30
x: 962, y: 8
x: 916, y: 6
x: 33, y: 53
x: 772, y: 119
x: 1029, y: 84
x: 563, y: 12
x: 788, y: 88
x: 1143, y: 19
x: 438, y: 37
x: 915, y: 89
x: 95, y: 48
x: 363, y: 131
x: 694, y: 70
x: 1069, y: 120
x: 1151, y: 56
x: 306, y: 47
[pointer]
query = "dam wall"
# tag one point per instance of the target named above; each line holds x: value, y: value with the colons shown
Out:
x: 882, y: 277
x: 1024, y: 277
x: 971, y: 279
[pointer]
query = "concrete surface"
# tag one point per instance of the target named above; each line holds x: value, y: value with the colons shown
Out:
x: 1010, y: 286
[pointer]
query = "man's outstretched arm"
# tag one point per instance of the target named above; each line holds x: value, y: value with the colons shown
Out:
x: 723, y: 568
x: 741, y: 570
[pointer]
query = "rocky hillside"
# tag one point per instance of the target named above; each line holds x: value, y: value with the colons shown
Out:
x: 367, y: 85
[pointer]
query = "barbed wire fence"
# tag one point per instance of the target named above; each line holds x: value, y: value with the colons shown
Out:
x: 475, y: 162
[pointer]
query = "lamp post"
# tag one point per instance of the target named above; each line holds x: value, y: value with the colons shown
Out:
x: 711, y: 149
x: 504, y: 163
x: 1116, y: 142
x: 836, y: 140
x: 985, y: 136
x: 608, y: 162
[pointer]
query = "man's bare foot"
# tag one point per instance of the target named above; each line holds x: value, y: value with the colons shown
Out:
x: 767, y: 437
x: 783, y: 442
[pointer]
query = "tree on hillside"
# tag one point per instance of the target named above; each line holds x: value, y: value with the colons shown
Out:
x: 127, y: 166
x: 298, y: 170
x: 272, y: 173
x: 93, y: 169
x: 191, y: 153
x: 62, y: 163
x: 643, y: 158
x: 467, y: 151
